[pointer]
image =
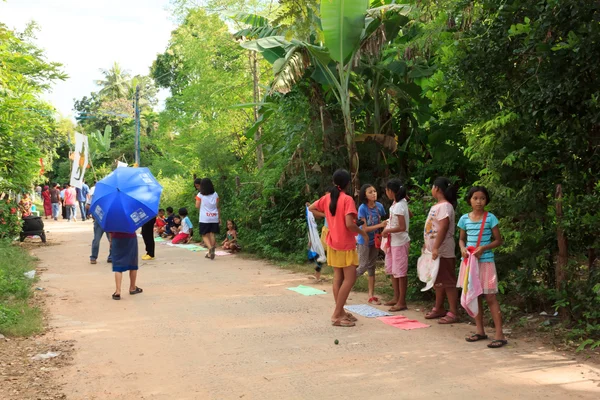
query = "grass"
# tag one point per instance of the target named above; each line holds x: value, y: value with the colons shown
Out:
x: 17, y: 316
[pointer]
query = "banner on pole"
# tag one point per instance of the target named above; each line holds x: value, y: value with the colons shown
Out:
x: 121, y: 164
x: 80, y: 160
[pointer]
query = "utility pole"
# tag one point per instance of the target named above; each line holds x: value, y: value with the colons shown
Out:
x: 137, y: 125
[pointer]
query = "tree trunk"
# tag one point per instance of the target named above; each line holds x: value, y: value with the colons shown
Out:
x: 260, y: 160
x: 563, y: 254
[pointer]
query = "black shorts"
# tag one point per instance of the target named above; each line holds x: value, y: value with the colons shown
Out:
x: 209, y: 227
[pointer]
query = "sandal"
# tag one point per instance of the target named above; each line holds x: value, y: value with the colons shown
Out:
x: 476, y: 337
x: 449, y: 318
x: 496, y: 344
x: 396, y: 309
x: 136, y: 291
x: 374, y: 300
x: 212, y: 253
x: 116, y: 296
x: 343, y: 322
x: 434, y: 313
x: 351, y: 317
x: 207, y: 255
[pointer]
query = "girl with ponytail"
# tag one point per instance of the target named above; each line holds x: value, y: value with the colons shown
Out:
x: 398, y: 243
x: 340, y: 213
x: 439, y: 240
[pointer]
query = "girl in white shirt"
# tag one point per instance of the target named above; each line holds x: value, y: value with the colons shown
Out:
x: 207, y: 201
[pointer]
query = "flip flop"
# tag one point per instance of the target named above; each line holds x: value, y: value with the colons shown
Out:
x: 116, y: 296
x: 136, y: 291
x: 374, y: 300
x: 351, y: 317
x: 496, y: 344
x: 212, y: 253
x: 449, y: 318
x: 434, y: 313
x: 476, y: 337
x: 397, y: 309
x: 343, y: 322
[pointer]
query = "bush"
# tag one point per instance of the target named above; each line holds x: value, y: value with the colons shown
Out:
x: 10, y: 223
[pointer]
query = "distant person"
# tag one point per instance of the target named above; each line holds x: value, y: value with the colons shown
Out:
x: 82, y: 196
x: 148, y: 236
x: 207, y: 201
x: 55, y: 200
x: 340, y: 212
x: 159, y: 225
x: 38, y: 191
x: 396, y: 253
x: 371, y: 213
x: 46, y: 197
x: 169, y: 224
x: 124, y: 250
x: 70, y: 203
x: 230, y: 243
x: 185, y: 230
x: 62, y: 201
x: 98, y: 233
x: 479, y: 234
x: 25, y: 205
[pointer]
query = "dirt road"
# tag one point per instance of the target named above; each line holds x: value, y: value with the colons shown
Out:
x: 229, y: 329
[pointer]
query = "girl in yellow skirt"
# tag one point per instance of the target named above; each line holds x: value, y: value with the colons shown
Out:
x: 340, y: 213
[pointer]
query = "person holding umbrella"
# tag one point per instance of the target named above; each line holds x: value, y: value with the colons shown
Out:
x: 123, y: 202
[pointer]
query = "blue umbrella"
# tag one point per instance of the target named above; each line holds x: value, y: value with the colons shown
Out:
x: 126, y: 199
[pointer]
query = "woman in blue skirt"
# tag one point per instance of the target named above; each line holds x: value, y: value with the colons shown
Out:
x: 124, y: 250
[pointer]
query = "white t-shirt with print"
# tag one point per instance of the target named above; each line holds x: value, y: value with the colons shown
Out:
x: 186, y: 226
x: 209, y: 213
x: 399, y: 208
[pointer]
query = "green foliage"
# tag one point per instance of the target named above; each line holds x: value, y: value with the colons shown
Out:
x: 10, y: 223
x: 26, y: 121
x: 17, y: 318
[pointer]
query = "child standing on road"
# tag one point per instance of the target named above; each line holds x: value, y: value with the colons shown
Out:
x: 396, y: 255
x: 124, y: 251
x: 207, y: 201
x: 480, y: 223
x: 340, y: 212
x: 371, y: 213
x: 439, y: 240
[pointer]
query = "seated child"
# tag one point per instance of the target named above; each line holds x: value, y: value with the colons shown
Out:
x: 230, y: 242
x: 159, y: 225
x: 184, y: 231
x: 169, y: 224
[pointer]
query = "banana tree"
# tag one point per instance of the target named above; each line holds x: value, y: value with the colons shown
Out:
x: 350, y: 29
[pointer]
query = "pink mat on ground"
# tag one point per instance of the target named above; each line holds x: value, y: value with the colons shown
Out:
x: 402, y: 322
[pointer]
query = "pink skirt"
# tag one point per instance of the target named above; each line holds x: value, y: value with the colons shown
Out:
x: 487, y: 276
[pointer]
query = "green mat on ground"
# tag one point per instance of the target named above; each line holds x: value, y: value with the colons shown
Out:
x: 306, y: 290
x: 159, y: 239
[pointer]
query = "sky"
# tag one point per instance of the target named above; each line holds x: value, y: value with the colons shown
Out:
x: 88, y: 35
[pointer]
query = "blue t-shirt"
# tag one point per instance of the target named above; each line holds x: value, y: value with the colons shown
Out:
x: 473, y: 227
x: 373, y: 217
x: 188, y: 222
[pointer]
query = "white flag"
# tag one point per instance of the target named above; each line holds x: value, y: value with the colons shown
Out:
x: 80, y: 160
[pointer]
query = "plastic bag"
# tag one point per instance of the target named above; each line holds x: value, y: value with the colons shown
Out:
x: 427, y: 269
x: 316, y: 252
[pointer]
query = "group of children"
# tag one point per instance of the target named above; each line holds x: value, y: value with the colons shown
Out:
x: 354, y: 237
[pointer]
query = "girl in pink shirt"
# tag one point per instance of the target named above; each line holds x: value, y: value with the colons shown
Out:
x: 340, y: 212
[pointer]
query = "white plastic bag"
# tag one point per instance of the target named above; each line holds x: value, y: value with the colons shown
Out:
x: 315, y: 240
x: 427, y: 268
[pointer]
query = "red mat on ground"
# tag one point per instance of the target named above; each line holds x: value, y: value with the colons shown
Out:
x: 402, y: 322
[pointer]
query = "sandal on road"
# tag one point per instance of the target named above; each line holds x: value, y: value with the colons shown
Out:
x: 396, y: 309
x: 449, y: 318
x: 116, y: 296
x: 435, y: 313
x: 476, y: 337
x: 136, y: 291
x: 374, y: 300
x: 496, y: 344
x: 343, y: 322
x: 351, y: 317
